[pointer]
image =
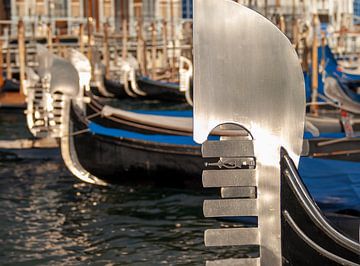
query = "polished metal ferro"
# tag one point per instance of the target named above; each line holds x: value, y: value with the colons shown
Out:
x: 57, y: 84
x: 247, y: 73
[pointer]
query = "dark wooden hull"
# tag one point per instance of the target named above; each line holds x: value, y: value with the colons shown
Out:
x: 122, y: 160
x: 115, y: 88
x: 308, y: 238
x: 154, y: 90
x: 160, y: 90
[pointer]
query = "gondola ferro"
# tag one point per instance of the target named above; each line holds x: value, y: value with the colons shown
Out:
x: 247, y: 75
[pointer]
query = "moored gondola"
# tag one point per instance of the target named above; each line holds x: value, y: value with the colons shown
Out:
x: 135, y: 85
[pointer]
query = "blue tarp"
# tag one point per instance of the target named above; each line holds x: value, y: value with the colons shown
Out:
x: 168, y: 139
x: 335, y: 185
x: 339, y: 135
x: 332, y: 70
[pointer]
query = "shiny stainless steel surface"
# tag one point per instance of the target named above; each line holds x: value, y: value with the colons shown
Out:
x: 49, y: 101
x: 64, y: 77
x: 215, y: 237
x: 58, y: 82
x: 246, y: 73
x: 232, y: 262
x: 230, y: 178
x: 44, y: 59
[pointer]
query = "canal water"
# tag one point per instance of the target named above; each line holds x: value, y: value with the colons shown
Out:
x: 48, y: 217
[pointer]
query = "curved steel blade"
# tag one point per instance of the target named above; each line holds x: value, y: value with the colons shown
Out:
x: 246, y: 72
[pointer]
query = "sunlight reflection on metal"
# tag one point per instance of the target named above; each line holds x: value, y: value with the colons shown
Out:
x: 247, y: 73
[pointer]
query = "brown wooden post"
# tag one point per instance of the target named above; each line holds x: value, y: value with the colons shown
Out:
x: 153, y: 50
x: 277, y: 4
x: 294, y: 24
x: 8, y: 59
x: 125, y: 36
x: 106, y: 50
x: 21, y: 47
x: 90, y: 26
x: 165, y: 43
x: 323, y: 43
x: 116, y: 55
x: 282, y: 24
x: 315, y: 66
x: 96, y: 15
x: 49, y: 37
x: 90, y: 39
x: 89, y: 9
x: 81, y: 37
x: 266, y: 8
x: 1, y: 64
x: 33, y: 31
x: 172, y: 32
x: 141, y: 49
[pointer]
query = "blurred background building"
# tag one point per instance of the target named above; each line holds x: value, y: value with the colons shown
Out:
x: 63, y: 13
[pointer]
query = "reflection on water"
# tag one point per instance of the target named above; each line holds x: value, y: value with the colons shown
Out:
x: 13, y: 125
x: 49, y: 217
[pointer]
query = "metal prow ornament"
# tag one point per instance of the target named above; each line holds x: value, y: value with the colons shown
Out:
x: 246, y: 73
x: 61, y: 84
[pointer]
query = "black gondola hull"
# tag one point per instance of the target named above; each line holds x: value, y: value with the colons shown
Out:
x: 305, y: 241
x: 115, y: 88
x: 160, y: 90
x: 121, y: 160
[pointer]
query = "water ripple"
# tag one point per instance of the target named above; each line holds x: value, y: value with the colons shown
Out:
x: 50, y: 218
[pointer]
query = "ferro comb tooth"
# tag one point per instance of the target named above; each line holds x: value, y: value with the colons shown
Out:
x: 229, y: 178
x: 232, y: 237
x: 238, y: 192
x: 235, y: 262
x: 228, y: 148
x: 230, y: 207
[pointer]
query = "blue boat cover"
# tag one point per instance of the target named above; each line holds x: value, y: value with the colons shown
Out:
x: 335, y: 185
x: 338, y: 135
x: 332, y: 69
x: 157, y: 138
x: 111, y: 132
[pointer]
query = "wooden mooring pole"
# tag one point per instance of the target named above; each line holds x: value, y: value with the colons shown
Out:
x: 8, y: 56
x: 141, y: 49
x: 1, y: 64
x: 172, y: 33
x: 49, y: 37
x: 125, y: 36
x: 81, y: 37
x: 22, y: 52
x: 106, y: 50
x: 315, y: 67
x: 90, y: 24
x: 153, y: 50
x: 165, y: 45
